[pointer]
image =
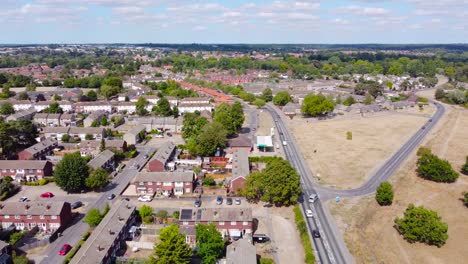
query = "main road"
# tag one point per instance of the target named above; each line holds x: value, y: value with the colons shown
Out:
x: 330, y: 248
x: 73, y: 234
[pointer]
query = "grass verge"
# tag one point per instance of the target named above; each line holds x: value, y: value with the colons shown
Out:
x: 302, y: 228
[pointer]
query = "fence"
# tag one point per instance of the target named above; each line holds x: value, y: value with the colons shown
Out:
x: 140, y: 245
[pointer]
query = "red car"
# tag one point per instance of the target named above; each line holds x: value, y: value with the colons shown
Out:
x: 64, y: 250
x: 47, y: 195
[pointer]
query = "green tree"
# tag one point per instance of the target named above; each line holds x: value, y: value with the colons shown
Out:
x: 65, y: 138
x: 431, y: 167
x: 102, y: 145
x: 210, y: 243
x: 6, y: 108
x: 54, y: 108
x: 172, y: 247
x: 372, y: 87
x: 93, y: 218
x: 97, y: 179
x: 91, y: 95
x: 439, y: 94
x: 315, y: 105
x: 465, y: 199
x: 230, y: 117
x: 349, y: 101
x: 71, y: 172
x: 56, y: 97
x: 141, y: 105
x: 146, y: 213
x: 89, y: 137
x: 368, y: 100
x: 464, y: 169
x: 422, y: 225
x: 282, y: 98
x: 278, y: 183
x: 163, y: 107
x: 384, y: 194
x: 267, y: 95
x: 23, y: 96
x: 104, y: 121
x: 209, y: 181
x: 213, y: 136
x: 259, y: 103
x: 108, y: 91
x: 113, y: 81
x: 192, y: 125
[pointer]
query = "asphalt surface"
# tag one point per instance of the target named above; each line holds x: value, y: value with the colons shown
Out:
x: 330, y: 248
x: 73, y: 234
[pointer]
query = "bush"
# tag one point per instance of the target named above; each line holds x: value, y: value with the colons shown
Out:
x: 422, y: 225
x: 349, y: 135
x: 72, y: 252
x: 16, y: 236
x: 209, y: 181
x: 148, y: 219
x: 302, y: 228
x: 384, y: 194
x: 423, y: 150
x: 267, y: 261
x: 433, y: 168
x: 464, y: 169
x: 176, y: 215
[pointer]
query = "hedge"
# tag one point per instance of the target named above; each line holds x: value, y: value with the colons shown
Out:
x: 72, y: 252
x: 302, y: 228
x: 263, y: 159
x: 38, y: 183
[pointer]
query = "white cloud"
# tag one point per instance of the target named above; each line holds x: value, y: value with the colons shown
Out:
x: 199, y: 28
x: 359, y: 11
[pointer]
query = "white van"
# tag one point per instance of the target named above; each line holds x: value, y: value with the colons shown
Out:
x: 285, y: 143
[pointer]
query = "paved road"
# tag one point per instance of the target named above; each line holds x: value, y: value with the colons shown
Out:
x: 331, y: 248
x: 73, y: 234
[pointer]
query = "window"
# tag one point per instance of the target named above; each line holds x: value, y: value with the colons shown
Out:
x: 29, y: 216
x: 39, y: 171
x: 54, y: 217
x: 150, y: 183
x: 17, y: 217
x: 31, y: 171
x: 245, y: 223
x: 233, y: 223
x: 221, y: 223
x: 4, y: 170
x: 185, y: 223
x: 41, y: 216
x: 12, y: 170
x: 7, y: 216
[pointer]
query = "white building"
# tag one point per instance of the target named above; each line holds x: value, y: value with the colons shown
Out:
x: 19, y: 105
x: 88, y: 107
x: 190, y: 108
x: 128, y: 107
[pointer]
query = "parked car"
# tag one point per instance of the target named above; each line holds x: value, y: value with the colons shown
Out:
x: 169, y: 134
x: 146, y: 156
x: 237, y: 201
x: 159, y: 136
x: 260, y: 238
x: 65, y: 249
x: 145, y: 198
x: 111, y: 196
x: 229, y: 201
x: 312, y: 198
x: 315, y: 233
x: 309, y: 213
x: 23, y: 199
x: 76, y: 204
x: 219, y: 200
x: 197, y: 203
x: 47, y: 195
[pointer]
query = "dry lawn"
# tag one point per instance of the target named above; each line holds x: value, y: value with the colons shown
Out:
x: 343, y: 163
x: 368, y: 228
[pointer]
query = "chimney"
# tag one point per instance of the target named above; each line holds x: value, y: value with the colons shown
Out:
x: 242, y: 212
x: 26, y: 206
x: 98, y: 248
x: 48, y: 206
x: 1, y: 206
x: 215, y: 213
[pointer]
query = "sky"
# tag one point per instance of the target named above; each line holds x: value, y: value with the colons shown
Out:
x: 233, y: 21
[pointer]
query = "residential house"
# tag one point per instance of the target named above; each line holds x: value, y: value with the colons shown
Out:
x: 239, y: 142
x: 53, y: 120
x: 135, y: 135
x: 233, y: 222
x: 105, y: 160
x: 74, y: 132
x: 55, y: 132
x: 22, y: 114
x: 67, y: 120
x: 167, y: 124
x: 195, y: 100
x: 47, y: 216
x: 173, y: 101
x: 40, y: 119
x: 162, y: 157
x: 92, y: 147
x: 291, y: 109
x: 240, y: 170
x: 191, y: 108
x: 108, y: 238
x: 89, y: 107
x: 125, y: 107
x: 42, y: 105
x: 39, y: 151
x: 19, y: 105
x: 93, y: 117
x: 26, y: 170
x: 241, y: 251
x: 165, y: 183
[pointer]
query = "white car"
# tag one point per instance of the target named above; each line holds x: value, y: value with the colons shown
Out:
x: 312, y: 198
x: 145, y: 198
x: 309, y: 213
x: 159, y: 136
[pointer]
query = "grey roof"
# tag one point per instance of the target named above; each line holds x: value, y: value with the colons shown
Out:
x: 67, y: 116
x: 241, y: 252
x: 56, y: 130
x: 95, y: 115
x: 105, y: 234
x: 290, y: 107
x: 240, y: 163
x: 101, y: 159
x: 86, y: 130
x: 114, y: 143
x: 164, y: 152
x: 36, y: 148
x: 166, y: 176
x: 40, y: 115
x: 31, y: 208
x: 23, y: 164
x: 239, y: 141
x: 22, y: 114
x: 159, y: 120
x: 223, y: 214
x: 136, y: 130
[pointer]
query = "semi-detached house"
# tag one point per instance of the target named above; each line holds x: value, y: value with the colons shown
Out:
x: 164, y: 183
x: 39, y: 151
x: 25, y: 170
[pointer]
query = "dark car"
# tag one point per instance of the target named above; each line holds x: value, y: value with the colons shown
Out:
x: 169, y: 134
x: 197, y: 203
x: 423, y: 127
x: 229, y: 201
x: 76, y: 205
x: 219, y: 200
x: 316, y: 233
x: 111, y: 196
x: 146, y: 156
x: 260, y: 238
x: 430, y: 120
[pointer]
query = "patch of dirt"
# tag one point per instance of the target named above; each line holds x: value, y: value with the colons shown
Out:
x: 368, y: 228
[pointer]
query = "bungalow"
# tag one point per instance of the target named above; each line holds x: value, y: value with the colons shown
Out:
x: 47, y: 216
x: 25, y: 170
x: 39, y: 151
x: 160, y: 160
x: 165, y: 183
x: 232, y: 222
x: 105, y: 160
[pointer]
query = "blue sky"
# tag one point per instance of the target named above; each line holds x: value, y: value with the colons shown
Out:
x: 234, y: 21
